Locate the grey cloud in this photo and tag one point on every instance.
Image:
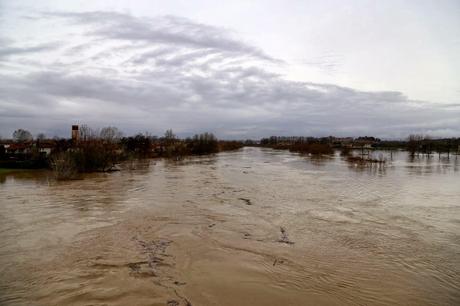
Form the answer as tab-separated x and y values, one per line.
7	49
161	30
185	81
281	106
144	57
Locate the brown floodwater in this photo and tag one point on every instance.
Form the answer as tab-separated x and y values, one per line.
250	227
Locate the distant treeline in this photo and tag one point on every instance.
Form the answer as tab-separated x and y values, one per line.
100	150
414	144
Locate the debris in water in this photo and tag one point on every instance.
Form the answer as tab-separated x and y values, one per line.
154	250
284	236
187	303
278	261
248	201
179	283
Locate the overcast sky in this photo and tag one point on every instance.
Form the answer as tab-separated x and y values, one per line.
240	69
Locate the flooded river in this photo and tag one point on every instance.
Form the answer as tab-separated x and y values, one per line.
250	227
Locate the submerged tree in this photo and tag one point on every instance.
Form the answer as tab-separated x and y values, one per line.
414	143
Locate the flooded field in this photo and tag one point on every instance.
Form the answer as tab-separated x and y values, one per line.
250	227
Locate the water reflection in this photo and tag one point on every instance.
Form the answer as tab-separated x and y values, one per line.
319	160
368	168
198	160
32	176
425	165
138	165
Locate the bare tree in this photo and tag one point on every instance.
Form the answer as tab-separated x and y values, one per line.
41	137
414	144
64	165
21	135
110	134
86	133
169	135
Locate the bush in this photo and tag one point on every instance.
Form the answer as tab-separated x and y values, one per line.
87	156
139	145
345	151
64	165
203	144
95	155
230	145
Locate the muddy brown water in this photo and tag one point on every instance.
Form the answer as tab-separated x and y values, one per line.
250	227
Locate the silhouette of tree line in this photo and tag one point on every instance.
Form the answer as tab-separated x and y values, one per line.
304	145
414	144
100	150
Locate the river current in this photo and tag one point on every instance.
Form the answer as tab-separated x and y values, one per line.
250	227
